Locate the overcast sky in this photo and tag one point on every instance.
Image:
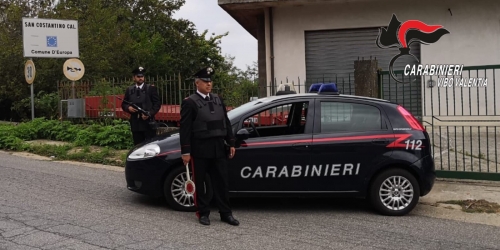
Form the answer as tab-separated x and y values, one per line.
207	15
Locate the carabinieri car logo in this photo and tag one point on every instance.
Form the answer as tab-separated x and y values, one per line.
403	34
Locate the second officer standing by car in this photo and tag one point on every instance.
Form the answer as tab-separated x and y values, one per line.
204	129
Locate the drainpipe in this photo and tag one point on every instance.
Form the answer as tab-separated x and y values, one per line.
271	34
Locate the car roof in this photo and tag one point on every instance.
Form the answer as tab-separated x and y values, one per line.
315	95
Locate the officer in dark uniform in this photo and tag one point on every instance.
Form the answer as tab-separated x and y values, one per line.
147	98
204	129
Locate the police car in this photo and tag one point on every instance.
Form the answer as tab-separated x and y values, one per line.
317	143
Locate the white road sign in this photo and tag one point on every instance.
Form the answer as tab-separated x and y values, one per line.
50	38
29	71
73	69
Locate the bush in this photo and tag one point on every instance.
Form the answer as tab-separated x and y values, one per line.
13	143
116	135
46	105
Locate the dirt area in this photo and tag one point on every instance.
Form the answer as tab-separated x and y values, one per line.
469	201
117	155
476	206
47	142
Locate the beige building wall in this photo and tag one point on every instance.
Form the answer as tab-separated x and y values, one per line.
474	37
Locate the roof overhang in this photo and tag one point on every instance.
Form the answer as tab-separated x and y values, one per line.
246	12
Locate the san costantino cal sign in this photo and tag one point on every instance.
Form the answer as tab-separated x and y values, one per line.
50	38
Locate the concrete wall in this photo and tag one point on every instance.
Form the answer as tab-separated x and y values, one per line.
474	27
474	37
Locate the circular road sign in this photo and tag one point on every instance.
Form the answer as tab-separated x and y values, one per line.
73	69
29	71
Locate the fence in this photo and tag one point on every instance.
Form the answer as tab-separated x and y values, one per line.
100	98
461	116
463	122
408	94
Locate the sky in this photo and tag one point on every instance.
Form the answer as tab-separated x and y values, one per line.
207	15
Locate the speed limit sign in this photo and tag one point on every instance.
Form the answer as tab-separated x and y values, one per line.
29	71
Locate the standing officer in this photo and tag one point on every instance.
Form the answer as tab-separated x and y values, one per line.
147	98
204	127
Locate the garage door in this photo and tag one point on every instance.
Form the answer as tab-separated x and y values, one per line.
330	56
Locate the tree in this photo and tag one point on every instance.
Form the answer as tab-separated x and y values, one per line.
115	36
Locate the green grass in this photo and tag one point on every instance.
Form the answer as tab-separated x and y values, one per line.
91	142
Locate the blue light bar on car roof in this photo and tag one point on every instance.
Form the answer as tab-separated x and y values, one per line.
328	89
315	87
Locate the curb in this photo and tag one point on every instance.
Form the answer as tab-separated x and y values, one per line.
469	182
77	163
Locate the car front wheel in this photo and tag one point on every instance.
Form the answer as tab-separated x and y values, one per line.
394	192
173	188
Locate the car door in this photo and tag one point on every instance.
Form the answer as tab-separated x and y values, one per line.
274	157
349	138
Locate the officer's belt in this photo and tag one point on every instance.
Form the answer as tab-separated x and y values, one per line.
210	125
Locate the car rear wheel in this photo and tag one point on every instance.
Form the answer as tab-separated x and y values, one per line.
394	192
173	188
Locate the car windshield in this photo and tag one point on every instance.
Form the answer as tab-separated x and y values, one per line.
243	108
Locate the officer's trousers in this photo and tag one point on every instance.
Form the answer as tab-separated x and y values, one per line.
217	170
141	136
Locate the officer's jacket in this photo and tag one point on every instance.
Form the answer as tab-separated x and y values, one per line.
194	111
147	98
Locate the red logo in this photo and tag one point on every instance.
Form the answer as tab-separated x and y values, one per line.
402	35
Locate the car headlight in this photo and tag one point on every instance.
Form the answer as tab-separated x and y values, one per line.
145	152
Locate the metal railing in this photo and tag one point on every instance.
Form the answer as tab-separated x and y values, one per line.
462	118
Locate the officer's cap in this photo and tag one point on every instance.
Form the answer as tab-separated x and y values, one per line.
139	71
205	74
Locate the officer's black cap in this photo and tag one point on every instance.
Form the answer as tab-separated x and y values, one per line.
139	71
205	74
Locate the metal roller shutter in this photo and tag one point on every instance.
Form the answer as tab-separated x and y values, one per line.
330	56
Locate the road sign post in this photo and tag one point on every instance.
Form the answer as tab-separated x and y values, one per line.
73	69
29	74
32	103
48	38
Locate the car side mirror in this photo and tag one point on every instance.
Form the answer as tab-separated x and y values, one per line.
242	134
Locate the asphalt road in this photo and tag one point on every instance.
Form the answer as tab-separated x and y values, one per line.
49	205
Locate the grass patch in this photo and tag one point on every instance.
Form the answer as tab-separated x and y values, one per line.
90	142
475	206
69	152
100	155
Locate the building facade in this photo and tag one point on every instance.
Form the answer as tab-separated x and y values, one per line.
319	41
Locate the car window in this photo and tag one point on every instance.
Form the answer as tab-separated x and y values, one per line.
241	109
346	117
236	111
285	119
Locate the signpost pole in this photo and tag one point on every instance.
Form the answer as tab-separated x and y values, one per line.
29	74
32	103
73	89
